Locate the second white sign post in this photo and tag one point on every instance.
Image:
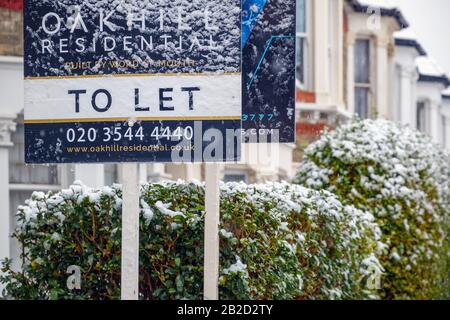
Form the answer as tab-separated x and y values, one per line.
212	221
130	232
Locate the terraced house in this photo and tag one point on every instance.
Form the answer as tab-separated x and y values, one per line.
354	57
360	58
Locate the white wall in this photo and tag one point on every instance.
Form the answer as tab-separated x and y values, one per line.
11	86
265	162
405	87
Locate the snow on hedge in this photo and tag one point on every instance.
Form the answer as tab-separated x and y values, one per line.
278	241
400	176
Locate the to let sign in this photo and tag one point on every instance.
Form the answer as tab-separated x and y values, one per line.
132	81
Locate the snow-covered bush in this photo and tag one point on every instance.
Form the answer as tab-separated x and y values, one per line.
278	241
400	176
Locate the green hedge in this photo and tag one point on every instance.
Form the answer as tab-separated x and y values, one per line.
278	241
400	176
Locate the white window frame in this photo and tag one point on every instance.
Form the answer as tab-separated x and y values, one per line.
372	70
307	49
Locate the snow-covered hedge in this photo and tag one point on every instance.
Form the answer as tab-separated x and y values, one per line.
278	241
400	176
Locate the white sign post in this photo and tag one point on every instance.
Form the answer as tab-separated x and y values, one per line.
212	221
130	232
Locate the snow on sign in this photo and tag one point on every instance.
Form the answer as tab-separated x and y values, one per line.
268	44
132	80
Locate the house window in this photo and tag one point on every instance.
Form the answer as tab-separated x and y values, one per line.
19	173
362	78
111	174
445	131
301	44
235	177
421	117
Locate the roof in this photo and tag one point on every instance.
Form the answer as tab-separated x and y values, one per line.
387	8
429	71
407	38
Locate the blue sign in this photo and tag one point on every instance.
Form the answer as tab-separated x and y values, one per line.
268	43
141	80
